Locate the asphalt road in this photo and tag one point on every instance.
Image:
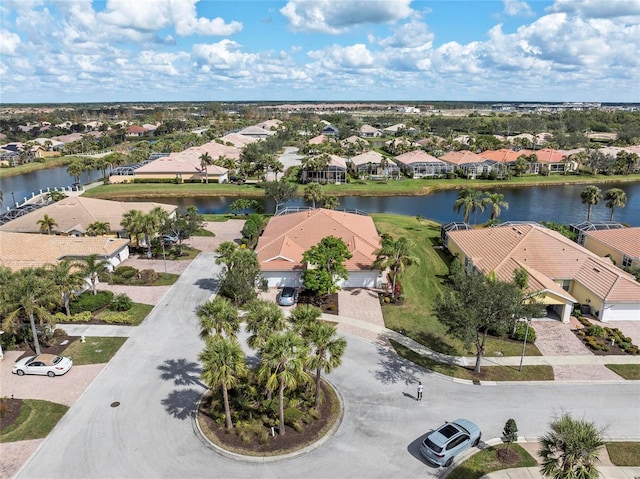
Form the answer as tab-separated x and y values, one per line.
155	378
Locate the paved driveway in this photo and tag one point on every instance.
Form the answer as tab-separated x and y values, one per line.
155	377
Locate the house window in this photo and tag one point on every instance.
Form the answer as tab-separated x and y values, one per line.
626	261
566	283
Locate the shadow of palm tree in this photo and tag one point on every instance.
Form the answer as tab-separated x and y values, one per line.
181	372
395	369
209	284
182	403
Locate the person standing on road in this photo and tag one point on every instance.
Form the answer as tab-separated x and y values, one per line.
420	389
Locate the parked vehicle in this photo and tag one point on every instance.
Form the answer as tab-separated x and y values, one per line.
288	296
441	446
43	365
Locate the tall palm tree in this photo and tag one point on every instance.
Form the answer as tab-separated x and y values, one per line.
264	319
615	198
313	192
496	201
47	223
91	267
282	366
68	279
327	351
303	316
395	255
590	196
570	450
331	202
30	294
205	161
218	316
465	202
132	223
151	222
98	228
223	364
75	169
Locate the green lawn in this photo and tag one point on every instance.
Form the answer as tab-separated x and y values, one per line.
624	453
487	373
627	371
486	461
37	418
410	187
95	350
165	279
422	285
137	313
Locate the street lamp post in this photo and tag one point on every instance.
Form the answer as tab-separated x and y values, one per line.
524	344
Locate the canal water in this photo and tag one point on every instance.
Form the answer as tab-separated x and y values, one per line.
560	204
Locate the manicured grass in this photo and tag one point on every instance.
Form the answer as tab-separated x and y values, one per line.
624	453
486	461
37	418
487	373
627	371
404	187
422	284
218	218
203	232
166	279
95	350
188	253
137	313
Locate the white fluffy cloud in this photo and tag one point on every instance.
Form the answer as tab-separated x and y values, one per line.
336	16
517	7
598	8
10	41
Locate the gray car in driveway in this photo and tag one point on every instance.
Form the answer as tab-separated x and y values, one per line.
449	440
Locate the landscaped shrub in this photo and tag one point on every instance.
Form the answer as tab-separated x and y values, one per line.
116	318
121	302
90	302
521	329
596	331
125	272
148	276
82	317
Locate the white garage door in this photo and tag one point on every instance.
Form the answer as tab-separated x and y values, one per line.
367	279
620	312
280	279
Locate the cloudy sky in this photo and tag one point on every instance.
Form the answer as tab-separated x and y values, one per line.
319	50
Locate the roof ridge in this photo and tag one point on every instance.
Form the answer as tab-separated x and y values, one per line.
508	256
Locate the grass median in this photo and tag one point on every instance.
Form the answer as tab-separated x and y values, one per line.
36	419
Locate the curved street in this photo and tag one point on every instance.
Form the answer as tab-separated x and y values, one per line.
155	379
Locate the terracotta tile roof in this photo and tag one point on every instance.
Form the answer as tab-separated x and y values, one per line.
238	140
625	240
547	252
367	157
316	140
368	129
287	237
461	157
136	129
503	155
75	211
547	155
417	156
23	250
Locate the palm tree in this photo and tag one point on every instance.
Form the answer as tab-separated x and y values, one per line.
31	293
205	161
68	279
223	364
91	267
395	255
132	223
98	228
616	198
303	316
465	202
496	201
218	316
283	358
331	202
264	319
151	222
313	192
570	450
590	196
327	351
47	223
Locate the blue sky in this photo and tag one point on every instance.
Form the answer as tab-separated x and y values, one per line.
319	50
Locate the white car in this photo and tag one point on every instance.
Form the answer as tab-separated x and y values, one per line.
43	364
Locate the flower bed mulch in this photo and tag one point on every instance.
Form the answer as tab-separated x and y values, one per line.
328	304
10	411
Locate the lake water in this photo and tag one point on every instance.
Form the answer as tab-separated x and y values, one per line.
561	203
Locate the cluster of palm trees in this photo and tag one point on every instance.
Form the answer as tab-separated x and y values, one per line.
614	197
289	350
144	225
474	201
32	294
313	192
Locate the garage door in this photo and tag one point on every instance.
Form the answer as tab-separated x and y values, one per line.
621	312
280	279
368	279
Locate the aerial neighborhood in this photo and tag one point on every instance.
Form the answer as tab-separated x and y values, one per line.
303	281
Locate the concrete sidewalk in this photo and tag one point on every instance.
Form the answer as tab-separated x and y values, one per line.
534	473
98	330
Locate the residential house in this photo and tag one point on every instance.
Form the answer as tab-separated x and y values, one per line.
288	236
237	140
270	125
561	273
368	131
373	164
135	130
621	245
419	164
256	132
23	250
330	130
75	213
398	129
471	164
334	171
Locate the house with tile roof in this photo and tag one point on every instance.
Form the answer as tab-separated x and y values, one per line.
561	271
621	245
288	236
368	131
471	164
374	165
419	164
256	132
24	250
75	213
335	170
